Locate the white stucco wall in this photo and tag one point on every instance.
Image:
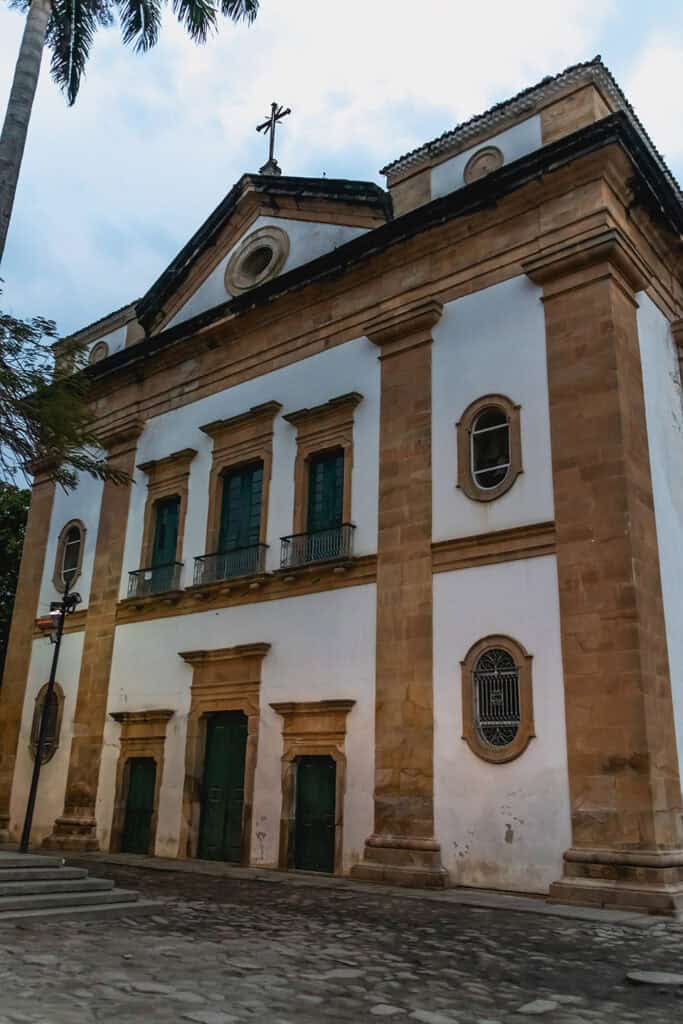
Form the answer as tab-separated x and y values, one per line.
307	240
664	414
501	826
323	647
491	342
514	142
116	340
350	367
50	801
82	503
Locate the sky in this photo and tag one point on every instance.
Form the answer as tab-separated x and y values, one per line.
112	187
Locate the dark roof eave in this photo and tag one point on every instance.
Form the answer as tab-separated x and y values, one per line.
654	191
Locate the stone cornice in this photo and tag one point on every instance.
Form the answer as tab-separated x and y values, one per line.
677	332
181	459
342	403
305	707
267	410
406	326
225	653
133	717
606	247
121	437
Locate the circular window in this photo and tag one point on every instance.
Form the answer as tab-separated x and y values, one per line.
98	352
258	259
482	163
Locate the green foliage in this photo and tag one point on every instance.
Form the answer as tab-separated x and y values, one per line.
73	24
44	413
13	513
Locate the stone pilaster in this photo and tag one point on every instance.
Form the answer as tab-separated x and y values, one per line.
76	829
402	849
623	769
20	643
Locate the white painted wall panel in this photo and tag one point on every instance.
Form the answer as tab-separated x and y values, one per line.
350	367
664	414
50	801
323	647
116	340
502	826
514	142
491	342
307	240
82	503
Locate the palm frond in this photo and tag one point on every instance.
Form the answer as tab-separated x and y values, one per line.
140	22
70	35
198	17
240	10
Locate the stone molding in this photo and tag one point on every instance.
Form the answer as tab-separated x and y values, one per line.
237	441
464	427
573	263
143	734
525	733
223	679
319	429
405	327
120	438
237	280
533	541
166	478
57	580
312	728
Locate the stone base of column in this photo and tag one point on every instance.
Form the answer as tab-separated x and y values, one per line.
4	829
402	860
643	880
71	833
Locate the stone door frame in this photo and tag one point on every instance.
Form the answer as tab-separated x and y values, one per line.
312	729
143	734
224	679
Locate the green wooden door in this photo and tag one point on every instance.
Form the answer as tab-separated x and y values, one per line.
315	811
241	508
220	833
325	491
142	775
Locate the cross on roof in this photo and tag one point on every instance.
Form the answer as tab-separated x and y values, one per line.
276	114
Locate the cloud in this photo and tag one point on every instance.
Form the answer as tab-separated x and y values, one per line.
654	89
112	187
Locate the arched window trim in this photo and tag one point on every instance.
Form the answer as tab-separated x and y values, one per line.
470	730
59	558
464	428
48	752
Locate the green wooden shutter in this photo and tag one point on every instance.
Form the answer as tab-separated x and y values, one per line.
165	532
325	491
241	508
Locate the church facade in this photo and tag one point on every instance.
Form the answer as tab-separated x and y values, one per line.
395	587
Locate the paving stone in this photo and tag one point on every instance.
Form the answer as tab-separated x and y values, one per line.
210	1017
538	1007
432	1017
655	978
385	1010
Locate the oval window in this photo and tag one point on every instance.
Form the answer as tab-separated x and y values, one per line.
53	709
490	448
496	697
72	554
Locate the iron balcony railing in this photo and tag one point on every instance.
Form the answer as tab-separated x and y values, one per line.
318	546
156	580
224	565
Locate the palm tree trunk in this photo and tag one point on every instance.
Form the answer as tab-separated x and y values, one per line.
15	128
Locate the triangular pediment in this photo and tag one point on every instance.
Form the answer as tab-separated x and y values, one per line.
264	227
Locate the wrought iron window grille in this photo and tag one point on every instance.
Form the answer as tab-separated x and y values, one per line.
496	694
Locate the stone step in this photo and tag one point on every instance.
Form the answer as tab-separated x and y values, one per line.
8	861
23	874
125	908
70	885
54	900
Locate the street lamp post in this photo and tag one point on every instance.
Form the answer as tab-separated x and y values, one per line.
54	627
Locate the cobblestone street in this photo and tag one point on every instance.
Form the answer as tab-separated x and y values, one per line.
218	950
